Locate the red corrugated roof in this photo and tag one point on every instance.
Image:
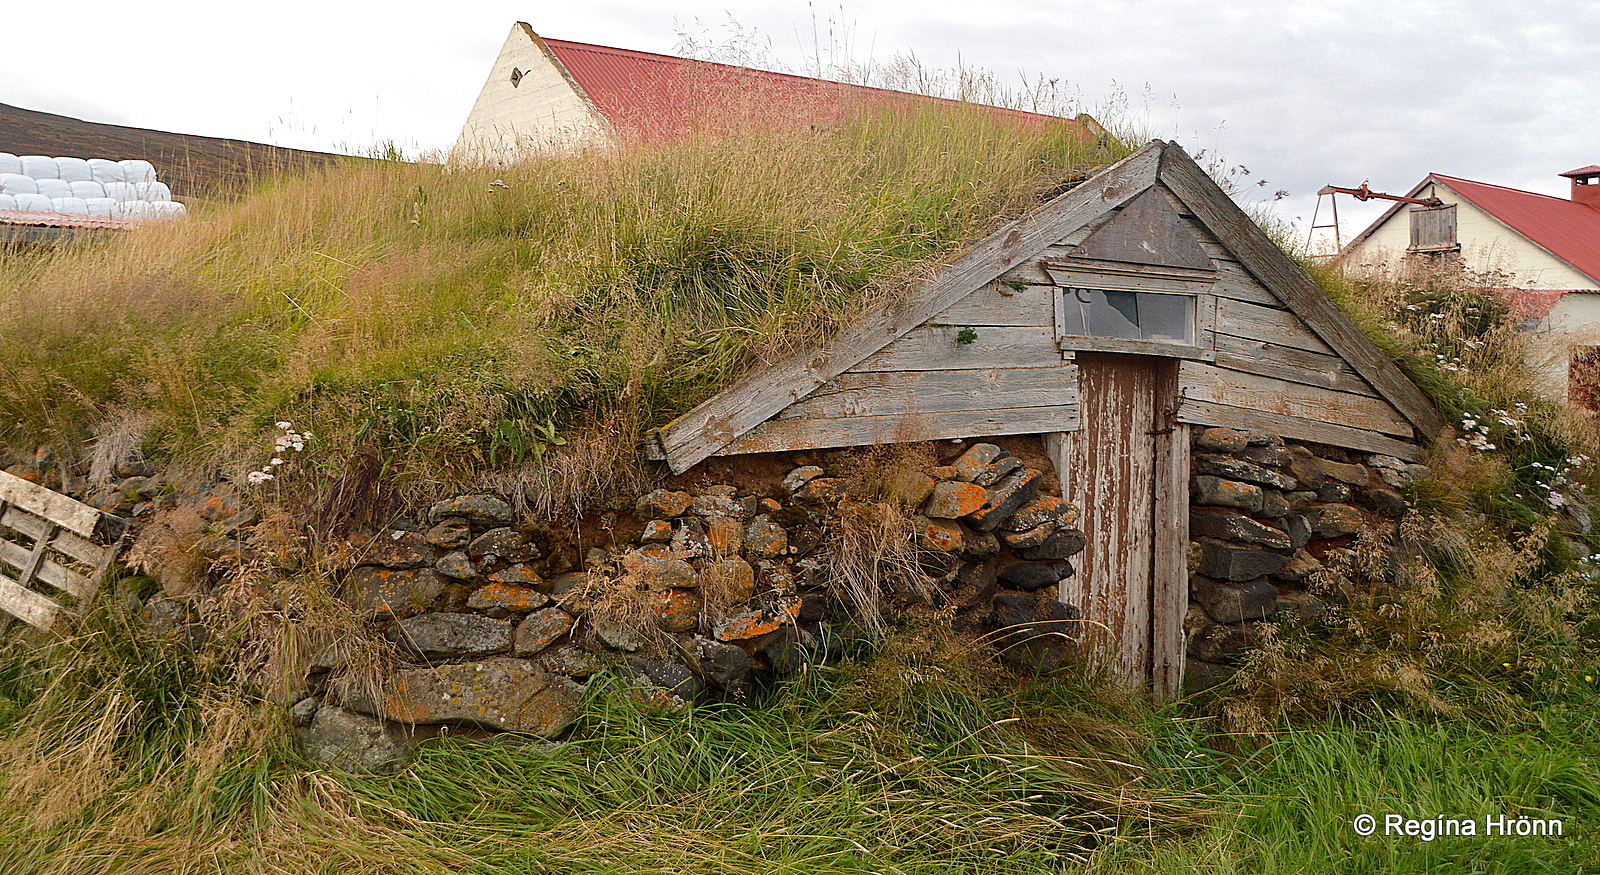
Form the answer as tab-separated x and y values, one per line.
62	220
1569	231
660	96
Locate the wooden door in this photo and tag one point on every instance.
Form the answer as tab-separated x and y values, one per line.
1127	472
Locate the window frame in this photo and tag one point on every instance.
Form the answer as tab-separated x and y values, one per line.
1139	279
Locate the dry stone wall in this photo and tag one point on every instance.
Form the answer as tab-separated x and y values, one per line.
1279	531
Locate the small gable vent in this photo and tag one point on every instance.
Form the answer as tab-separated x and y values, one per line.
516	77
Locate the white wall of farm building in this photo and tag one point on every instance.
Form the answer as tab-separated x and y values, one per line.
542	111
1486	246
1573	322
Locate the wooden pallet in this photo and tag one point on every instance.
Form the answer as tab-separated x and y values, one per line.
50	544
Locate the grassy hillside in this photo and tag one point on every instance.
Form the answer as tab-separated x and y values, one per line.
450	320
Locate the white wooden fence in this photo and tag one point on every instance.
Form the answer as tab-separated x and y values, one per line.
50	544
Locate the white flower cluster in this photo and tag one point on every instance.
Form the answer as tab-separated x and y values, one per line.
1555	479
290	440
1475	432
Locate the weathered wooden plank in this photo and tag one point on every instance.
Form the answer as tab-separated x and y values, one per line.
68	543
1169	600
26	605
1282	327
996	304
762	393
64	579
1276	271
1288	363
1204	382
1146	230
1233	281
1197	412
809	434
69	513
893	393
1129	277
937	348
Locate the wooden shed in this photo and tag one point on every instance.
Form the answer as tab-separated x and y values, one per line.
1113	321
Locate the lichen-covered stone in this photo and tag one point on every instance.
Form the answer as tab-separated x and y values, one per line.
1334	491
1220	440
1035	631
539	630
908	487
451	635
337	738
1230	468
941	535
450	533
724	665
822	490
656	532
1044	510
1231	526
1217	492
954	499
1031	538
507	597
1224	561
976	459
1273	457
1005	497
1306	467
506	544
503	693
520	574
1334	520
571	662
573	593
755	622
479	510
381	590
677	610
658	573
765	539
794	480
1224	643
663	504
730	580
618	635
975	544
1273	505
458	565
726	535
406	551
1299	608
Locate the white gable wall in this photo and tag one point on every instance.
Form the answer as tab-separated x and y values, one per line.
1486	246
542	111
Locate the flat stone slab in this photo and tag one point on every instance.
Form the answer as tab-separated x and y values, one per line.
447	635
504	693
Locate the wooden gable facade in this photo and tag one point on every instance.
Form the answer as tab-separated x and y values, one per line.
1108	320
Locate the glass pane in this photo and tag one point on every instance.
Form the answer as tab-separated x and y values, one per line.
1075	312
1113	314
1167	317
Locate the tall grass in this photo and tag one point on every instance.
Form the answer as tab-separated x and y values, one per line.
454	319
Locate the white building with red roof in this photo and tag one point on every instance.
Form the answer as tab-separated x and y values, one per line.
545	94
1544	250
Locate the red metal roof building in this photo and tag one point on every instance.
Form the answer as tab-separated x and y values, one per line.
547	93
1541	252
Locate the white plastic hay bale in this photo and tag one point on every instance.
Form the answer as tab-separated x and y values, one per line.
169	209
105	207
34	203
106	170
122	191
54	187
17	183
74	169
71	206
88	189
40	167
8	201
152	191
10	163
138	209
139	170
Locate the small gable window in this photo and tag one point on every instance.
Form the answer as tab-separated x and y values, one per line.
516	77
1433	229
1141	309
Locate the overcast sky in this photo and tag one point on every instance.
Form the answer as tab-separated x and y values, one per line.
1300	93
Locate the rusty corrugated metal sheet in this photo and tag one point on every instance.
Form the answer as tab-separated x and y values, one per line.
1569	231
660	96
